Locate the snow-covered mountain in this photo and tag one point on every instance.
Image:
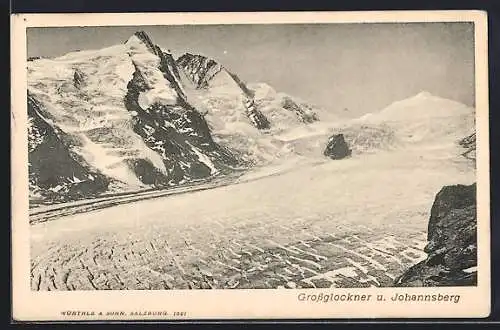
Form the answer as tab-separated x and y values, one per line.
247	118
422	121
130	116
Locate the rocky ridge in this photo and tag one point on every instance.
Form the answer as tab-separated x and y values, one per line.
173	128
202	70
133	117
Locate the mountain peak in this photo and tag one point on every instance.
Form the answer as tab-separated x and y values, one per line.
144	38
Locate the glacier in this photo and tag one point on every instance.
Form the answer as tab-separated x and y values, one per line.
130	119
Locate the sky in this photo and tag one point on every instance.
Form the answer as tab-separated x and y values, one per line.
349	69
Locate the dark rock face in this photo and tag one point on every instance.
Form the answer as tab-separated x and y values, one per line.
55	172
178	132
337	147
469	143
452	241
78	79
256	117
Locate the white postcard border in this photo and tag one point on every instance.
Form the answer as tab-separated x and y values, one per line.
236	304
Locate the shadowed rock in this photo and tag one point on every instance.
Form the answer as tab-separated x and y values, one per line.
452	241
469	144
306	117
256	117
199	69
337	147
55	172
78	78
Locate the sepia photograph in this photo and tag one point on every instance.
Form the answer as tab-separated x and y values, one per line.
264	157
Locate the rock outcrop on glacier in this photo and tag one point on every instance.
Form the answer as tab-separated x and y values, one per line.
337	148
452	241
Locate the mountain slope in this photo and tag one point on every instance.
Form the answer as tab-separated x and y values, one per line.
205	73
166	121
425	118
242	116
136	118
124	111
55	172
